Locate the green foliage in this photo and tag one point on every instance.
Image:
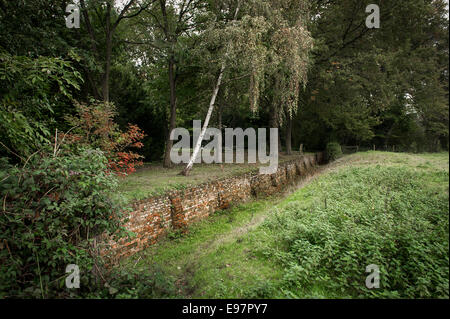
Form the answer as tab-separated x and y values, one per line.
370	215
260	290
367	86
30	91
333	151
358	78
175	234
36	28
135	284
52	209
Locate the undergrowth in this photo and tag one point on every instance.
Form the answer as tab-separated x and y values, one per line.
393	217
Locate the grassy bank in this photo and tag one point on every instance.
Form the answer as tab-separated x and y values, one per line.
387	209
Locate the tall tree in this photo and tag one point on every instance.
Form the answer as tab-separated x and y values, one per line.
265	39
291	45
361	77
110	17
159	31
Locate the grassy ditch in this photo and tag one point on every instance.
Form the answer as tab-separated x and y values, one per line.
387	209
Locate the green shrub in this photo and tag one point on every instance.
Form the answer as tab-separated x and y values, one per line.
333	151
33	94
51	211
153	282
260	290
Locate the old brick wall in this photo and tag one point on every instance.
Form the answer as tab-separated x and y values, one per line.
152	218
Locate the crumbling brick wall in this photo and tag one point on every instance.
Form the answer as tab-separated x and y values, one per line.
152	218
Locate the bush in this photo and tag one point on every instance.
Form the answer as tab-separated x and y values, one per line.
152	282
33	91
51	211
333	151
94	126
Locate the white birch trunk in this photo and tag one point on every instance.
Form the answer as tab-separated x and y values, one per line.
189	166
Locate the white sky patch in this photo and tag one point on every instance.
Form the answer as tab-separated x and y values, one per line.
446	8
120	4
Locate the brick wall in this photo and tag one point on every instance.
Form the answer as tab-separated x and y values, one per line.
152	218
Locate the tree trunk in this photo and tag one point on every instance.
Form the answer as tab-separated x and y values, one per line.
220	117
188	167
109	32
288	135
105	84
388	136
173	112
274	123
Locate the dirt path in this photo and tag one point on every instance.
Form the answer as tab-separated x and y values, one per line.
237	232
188	268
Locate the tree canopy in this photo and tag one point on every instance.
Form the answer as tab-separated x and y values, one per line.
311	68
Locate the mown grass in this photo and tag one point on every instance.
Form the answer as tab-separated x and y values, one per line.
379	208
153	179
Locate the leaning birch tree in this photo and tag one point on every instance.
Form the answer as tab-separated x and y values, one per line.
236	37
254	42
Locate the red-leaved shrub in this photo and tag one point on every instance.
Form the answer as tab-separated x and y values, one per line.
94	126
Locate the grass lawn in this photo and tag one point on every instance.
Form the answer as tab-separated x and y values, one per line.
154	179
388	209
